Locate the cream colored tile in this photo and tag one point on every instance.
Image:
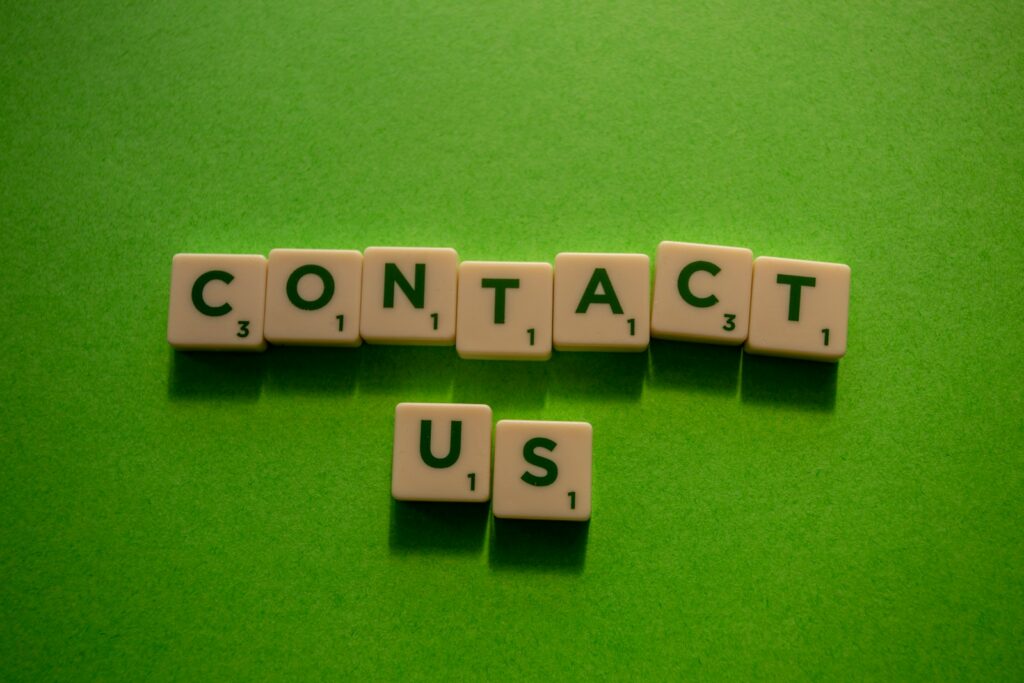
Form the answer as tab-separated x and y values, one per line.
504	310
542	470
217	302
313	297
442	452
409	295
701	293
602	302
799	309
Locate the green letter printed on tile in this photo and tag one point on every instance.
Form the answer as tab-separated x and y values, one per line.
607	295
549	466
684	284
197	293
454	448
292	288
393	276
500	285
795	282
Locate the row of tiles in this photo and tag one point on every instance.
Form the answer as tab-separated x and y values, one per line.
510	310
542	469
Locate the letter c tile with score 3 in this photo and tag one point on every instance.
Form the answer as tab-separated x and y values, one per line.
217	302
442	452
701	293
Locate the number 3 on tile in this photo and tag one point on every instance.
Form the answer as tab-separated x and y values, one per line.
243	329
730	322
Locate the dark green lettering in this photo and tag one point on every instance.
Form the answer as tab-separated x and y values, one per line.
292	288
795	282
549	466
683	284
415	294
454	449
607	295
500	286
197	293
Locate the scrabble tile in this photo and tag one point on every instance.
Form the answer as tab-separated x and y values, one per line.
409	295
504	310
701	293
442	452
542	470
313	297
799	309
217	302
602	302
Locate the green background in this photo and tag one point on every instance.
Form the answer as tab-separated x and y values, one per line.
222	516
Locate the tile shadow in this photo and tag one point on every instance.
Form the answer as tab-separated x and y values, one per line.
528	545
415	370
217	375
597	375
803	384
437	527
700	367
312	369
516	384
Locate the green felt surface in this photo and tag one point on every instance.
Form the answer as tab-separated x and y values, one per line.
228	517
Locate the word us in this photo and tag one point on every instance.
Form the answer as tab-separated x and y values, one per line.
542	469
510	310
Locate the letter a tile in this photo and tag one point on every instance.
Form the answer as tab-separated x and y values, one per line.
602	302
